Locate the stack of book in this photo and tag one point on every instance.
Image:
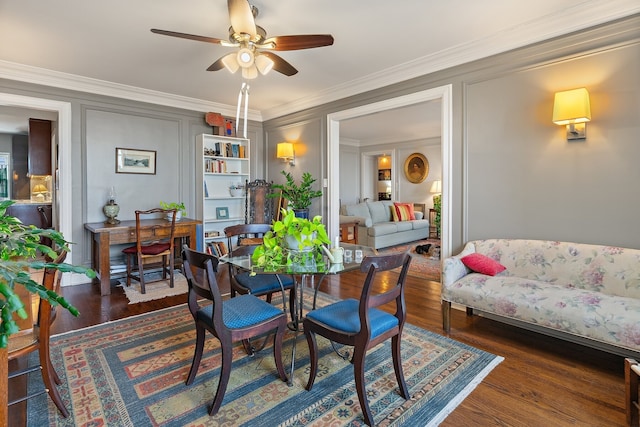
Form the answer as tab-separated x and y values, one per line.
217	249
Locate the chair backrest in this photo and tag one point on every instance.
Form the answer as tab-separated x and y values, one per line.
258	204
200	270
245	235
143	237
373	265
46	313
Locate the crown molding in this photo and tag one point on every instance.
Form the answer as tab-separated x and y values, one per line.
588	14
41	76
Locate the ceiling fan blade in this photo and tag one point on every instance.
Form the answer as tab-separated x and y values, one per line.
191	37
216	66
280	65
241	17
307	41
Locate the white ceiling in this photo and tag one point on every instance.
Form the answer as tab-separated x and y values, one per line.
107	48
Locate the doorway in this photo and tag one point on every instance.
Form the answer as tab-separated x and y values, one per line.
63	200
442	93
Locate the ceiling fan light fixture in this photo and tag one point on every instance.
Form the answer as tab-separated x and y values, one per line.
230	62
264	64
249	72
245	57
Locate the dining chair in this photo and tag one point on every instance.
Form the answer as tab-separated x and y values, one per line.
242	240
150	246
37	339
230	321
257	202
362	325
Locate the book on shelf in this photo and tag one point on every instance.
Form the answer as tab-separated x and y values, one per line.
235	150
243	154
206	190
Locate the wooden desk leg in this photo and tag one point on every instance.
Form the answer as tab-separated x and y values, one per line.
104	263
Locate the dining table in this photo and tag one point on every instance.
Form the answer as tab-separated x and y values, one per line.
304	276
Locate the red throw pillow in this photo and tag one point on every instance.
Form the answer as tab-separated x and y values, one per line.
482	264
404	211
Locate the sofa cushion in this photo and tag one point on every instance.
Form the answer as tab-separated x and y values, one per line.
419	223
379	211
404	225
403	212
383	229
360	210
483	264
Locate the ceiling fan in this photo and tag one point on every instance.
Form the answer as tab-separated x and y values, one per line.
255	53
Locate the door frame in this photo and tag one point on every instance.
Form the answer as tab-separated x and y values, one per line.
63	194
442	93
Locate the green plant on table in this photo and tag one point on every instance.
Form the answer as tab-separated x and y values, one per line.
298	195
19	249
276	252
174	205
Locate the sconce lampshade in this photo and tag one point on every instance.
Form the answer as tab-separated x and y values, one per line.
285	150
571	106
436	187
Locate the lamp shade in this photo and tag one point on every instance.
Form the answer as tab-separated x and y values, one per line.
571	106
436	187
39	188
284	150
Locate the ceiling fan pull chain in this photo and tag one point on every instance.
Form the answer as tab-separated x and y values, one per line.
244	93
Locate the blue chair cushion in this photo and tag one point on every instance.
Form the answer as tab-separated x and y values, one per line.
343	316
241	312
261	284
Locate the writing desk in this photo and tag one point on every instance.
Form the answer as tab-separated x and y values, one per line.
104	235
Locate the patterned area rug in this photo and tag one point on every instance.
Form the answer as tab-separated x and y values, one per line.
154	290
422	265
131	373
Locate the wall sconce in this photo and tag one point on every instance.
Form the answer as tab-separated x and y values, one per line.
436	187
286	152
572	108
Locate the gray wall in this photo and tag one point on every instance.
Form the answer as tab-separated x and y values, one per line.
99	125
513	172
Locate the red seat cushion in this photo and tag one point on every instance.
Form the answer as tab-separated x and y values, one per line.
154	249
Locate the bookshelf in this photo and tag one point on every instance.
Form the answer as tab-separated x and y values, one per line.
220	163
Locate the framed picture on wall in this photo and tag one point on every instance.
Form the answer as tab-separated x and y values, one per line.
416	168
135	161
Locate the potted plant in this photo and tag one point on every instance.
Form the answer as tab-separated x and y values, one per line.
19	247
292	241
181	210
298	195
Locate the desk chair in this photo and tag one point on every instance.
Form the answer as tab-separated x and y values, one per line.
148	245
361	325
230	321
38	340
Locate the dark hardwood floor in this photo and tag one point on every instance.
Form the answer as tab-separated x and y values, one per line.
543	381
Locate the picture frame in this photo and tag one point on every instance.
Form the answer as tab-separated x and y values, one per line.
222	212
416	168
384	174
135	161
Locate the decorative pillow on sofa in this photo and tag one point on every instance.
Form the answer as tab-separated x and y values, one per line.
403	212
482	264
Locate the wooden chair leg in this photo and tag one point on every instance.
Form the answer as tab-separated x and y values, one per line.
313	356
277	350
225	371
129	269
141	274
48	378
446	316
397	366
197	354
358	372
171	269
632	404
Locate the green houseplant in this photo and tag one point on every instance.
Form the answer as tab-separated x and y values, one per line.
298	195
182	211
292	241
19	247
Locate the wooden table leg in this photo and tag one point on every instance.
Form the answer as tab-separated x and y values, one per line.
104	263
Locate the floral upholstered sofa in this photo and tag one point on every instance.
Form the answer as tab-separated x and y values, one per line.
580	290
